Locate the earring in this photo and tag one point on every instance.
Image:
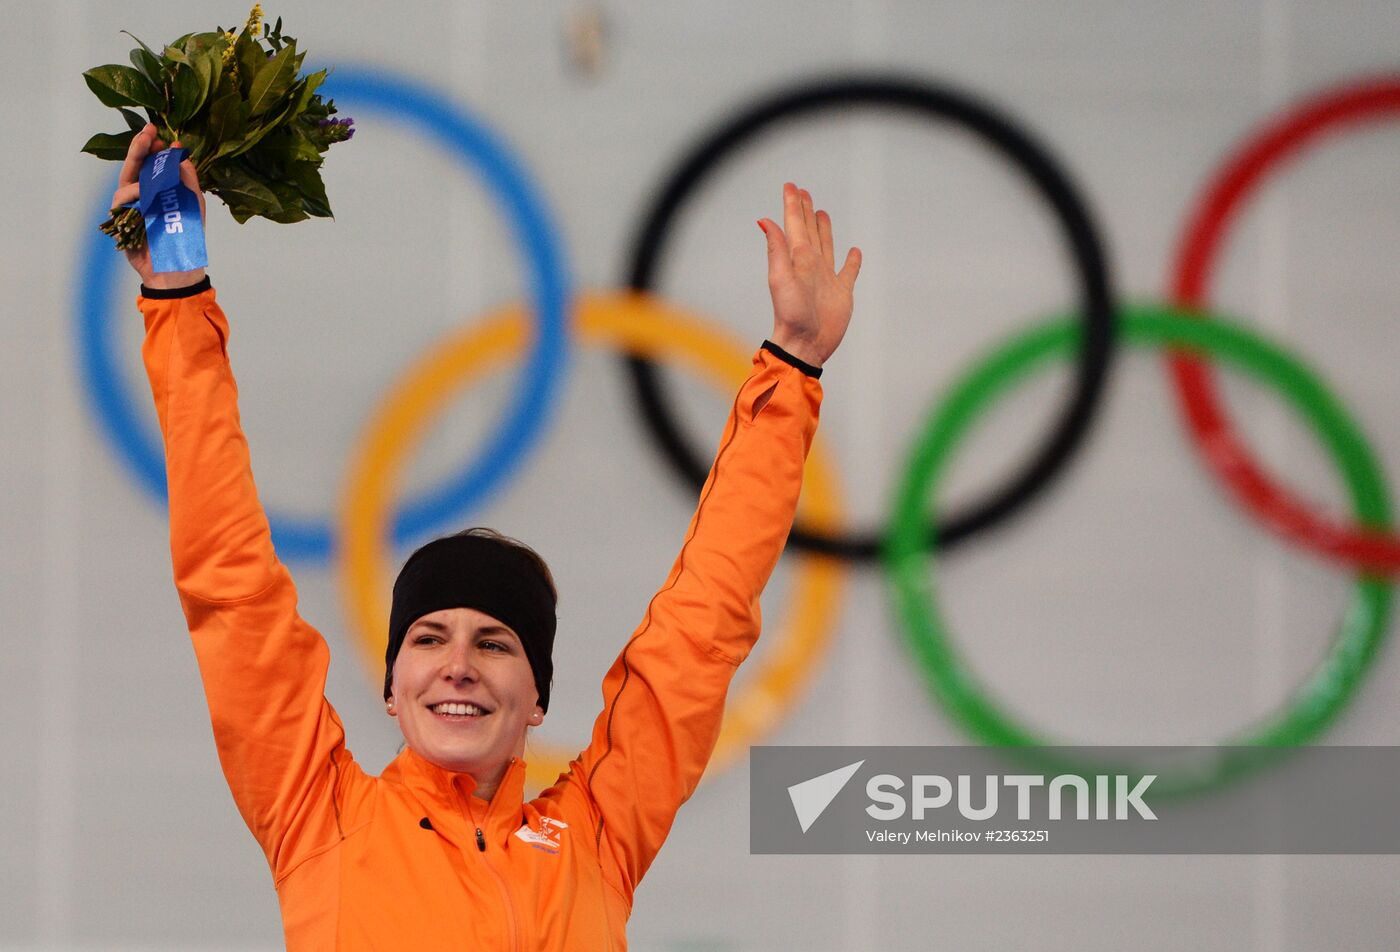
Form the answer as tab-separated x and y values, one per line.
389	708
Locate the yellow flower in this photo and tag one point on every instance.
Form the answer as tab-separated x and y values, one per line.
228	50
254	24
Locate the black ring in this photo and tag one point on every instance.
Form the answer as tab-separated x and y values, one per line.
939	103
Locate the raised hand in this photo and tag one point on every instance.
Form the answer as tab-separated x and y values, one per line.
812	301
129	189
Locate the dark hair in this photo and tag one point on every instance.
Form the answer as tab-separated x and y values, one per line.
490	547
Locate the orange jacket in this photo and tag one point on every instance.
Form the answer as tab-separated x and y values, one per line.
393	862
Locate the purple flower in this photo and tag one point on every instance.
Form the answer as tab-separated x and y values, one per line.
337	130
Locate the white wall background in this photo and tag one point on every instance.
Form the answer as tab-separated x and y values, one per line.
1134	604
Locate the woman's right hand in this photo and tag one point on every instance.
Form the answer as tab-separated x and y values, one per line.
812	300
129	189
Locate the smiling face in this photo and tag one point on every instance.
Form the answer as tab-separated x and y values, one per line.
464	692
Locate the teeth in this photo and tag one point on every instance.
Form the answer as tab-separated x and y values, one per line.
451	707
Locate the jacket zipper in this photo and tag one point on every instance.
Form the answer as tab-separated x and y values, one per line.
500	880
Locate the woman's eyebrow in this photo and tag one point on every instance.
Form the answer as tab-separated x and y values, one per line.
496	631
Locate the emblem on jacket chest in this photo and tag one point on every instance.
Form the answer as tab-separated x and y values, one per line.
547	837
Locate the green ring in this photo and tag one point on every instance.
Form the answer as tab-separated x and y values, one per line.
1310	708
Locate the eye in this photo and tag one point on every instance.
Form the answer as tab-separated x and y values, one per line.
490	645
426	639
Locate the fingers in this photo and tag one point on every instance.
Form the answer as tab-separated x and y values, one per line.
850	270
779	258
190	179
136	153
806	227
824	239
794	219
127	193
809	217
188	175
143	144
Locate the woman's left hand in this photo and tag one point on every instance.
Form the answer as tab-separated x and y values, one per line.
129	190
812	301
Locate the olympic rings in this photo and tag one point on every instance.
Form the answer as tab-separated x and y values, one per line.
938	103
455	130
1312	706
642	326
1225	452
637	324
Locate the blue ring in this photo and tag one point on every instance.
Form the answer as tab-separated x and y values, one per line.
136	442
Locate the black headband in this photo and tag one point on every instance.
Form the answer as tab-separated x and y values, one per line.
481	572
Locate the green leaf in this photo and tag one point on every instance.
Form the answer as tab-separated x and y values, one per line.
227	118
140	42
289	144
303	95
243	193
251	61
147	63
306	176
287	216
210	65
199	43
112	147
186	95
227	83
176	55
281	116
289	204
193	141
273	82
134	122
123	86
145	59
289	114
255	134
204	51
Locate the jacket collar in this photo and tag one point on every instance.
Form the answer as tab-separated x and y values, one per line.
449	796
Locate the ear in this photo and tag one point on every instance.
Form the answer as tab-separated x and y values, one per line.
536	716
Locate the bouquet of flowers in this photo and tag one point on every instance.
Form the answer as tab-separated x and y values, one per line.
254	128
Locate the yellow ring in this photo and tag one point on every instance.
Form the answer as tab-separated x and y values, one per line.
637	324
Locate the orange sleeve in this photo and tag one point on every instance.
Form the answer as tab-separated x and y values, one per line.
280	743
664	696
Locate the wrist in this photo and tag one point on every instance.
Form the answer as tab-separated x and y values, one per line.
152	292
812	370
173	280
803	349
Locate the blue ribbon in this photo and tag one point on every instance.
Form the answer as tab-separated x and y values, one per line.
174	230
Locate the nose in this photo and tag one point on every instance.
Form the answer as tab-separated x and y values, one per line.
458	666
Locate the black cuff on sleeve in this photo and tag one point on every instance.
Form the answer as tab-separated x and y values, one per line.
785	357
166	294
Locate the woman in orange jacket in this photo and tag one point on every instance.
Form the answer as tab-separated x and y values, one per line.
441	851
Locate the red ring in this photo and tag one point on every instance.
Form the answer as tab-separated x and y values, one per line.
1197	395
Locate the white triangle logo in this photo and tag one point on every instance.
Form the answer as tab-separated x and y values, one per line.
810	798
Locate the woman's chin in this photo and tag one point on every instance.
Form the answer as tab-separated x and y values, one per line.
458	759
